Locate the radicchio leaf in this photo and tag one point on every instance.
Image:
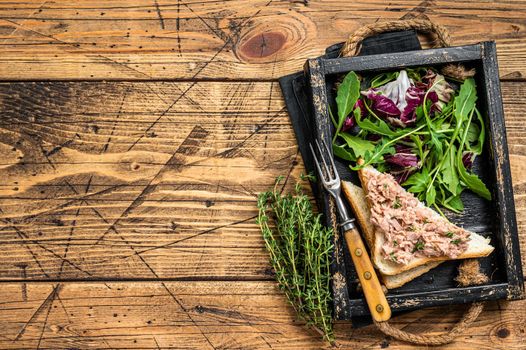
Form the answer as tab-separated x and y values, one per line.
361	106
467	159
402	148
401	176
437	83
397	101
382	105
402	159
414	97
403	163
350	121
373	137
396	90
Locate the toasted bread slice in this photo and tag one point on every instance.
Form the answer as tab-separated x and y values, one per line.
478	246
356	197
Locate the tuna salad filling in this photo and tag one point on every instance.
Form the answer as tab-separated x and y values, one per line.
411	230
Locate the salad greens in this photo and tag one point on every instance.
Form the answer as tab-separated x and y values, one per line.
417	126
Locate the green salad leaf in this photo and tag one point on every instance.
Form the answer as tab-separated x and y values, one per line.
346	97
359	146
465	101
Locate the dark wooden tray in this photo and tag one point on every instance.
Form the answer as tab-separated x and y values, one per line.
494	219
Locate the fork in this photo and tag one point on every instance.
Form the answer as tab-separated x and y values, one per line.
374	295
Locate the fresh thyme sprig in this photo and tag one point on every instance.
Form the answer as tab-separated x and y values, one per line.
300	249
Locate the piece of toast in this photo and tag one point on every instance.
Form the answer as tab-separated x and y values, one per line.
356	197
478	246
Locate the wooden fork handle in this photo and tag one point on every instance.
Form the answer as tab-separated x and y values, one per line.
372	289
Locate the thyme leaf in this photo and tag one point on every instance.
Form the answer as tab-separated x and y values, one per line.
300	249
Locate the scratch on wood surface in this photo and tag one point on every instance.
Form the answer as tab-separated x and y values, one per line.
37	10
293	164
107	144
156	343
171	244
8	222
159	14
49	299
186	311
44	323
230	152
56	149
178	27
154	123
76	47
24	236
189	146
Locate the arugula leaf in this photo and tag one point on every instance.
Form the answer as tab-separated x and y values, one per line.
419	146
465	101
384	147
381	167
454	203
448	108
473	133
359	146
343	153
437	144
441	193
380	127
383	78
346	97
419	113
431	128
477	149
472	181
334	122
416	73
431	195
418	181
357	112
449	172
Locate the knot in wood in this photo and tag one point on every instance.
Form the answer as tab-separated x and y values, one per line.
261	46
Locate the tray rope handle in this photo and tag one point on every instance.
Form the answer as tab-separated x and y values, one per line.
442	39
469	270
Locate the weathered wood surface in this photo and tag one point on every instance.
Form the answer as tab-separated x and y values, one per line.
138	180
210	315
130	180
241	39
156	180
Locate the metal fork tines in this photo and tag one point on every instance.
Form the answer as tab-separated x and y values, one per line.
331	182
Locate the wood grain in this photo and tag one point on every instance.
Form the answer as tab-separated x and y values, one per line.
210	315
241	39
155	181
138	177
136	180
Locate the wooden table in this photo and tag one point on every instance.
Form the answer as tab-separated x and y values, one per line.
134	138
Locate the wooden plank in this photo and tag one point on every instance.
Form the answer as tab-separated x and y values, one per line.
210	315
240	39
130	180
154	179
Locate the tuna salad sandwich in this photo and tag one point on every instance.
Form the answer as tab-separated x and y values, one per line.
406	238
